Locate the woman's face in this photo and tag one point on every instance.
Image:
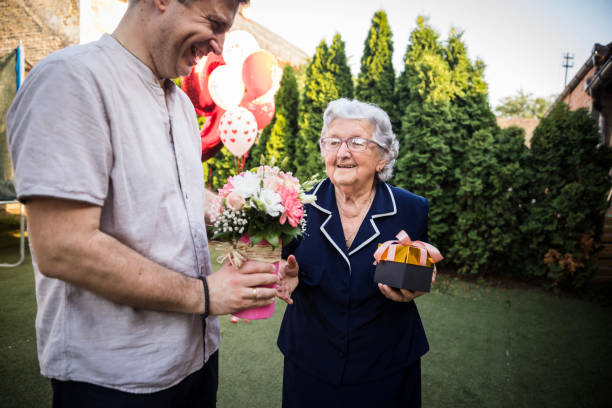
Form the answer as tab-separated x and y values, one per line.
352	169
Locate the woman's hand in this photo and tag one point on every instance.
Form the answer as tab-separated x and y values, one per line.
398	295
403	295
288	273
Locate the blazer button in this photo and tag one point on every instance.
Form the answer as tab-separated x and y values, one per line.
341	354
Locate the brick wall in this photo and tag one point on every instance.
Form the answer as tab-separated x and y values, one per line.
43	26
578	98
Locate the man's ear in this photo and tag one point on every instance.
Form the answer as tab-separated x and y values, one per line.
161	5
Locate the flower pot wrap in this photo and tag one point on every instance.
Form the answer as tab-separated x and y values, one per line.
239	252
406	264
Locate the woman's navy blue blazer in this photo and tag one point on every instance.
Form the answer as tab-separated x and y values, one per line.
340	328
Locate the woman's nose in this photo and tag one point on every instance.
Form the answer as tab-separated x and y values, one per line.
344	150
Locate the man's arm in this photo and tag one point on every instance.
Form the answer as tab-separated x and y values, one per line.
68	245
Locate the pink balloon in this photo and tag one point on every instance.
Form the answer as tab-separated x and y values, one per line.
259	72
238	130
262	110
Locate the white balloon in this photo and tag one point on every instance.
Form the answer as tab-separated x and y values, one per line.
226	87
238	130
238	45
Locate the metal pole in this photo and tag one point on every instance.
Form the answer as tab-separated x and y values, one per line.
568	62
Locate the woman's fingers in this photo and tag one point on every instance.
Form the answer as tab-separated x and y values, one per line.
398	295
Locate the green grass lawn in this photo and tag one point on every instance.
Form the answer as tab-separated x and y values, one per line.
489	347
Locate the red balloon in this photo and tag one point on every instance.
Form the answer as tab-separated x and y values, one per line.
211	139
262	110
191	86
195	85
212	61
258	71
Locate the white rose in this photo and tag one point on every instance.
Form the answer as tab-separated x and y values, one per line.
271	202
246	184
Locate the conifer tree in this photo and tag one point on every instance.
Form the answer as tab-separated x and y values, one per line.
286	104
327	78
471	113
276	147
339	70
426	76
218	168
491	196
423	94
376	79
310	118
440	74
424	161
258	150
287	101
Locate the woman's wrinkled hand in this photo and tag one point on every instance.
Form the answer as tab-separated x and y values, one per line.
398	295
288	273
403	295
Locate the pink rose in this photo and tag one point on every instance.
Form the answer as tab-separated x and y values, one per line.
227	188
235	200
272	183
290	181
294	211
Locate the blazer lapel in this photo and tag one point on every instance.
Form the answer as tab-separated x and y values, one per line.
331	227
382	206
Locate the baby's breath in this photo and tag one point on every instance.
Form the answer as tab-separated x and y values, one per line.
229	221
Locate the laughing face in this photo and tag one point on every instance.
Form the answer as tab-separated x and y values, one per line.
186	33
352	169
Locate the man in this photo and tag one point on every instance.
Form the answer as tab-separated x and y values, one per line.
106	152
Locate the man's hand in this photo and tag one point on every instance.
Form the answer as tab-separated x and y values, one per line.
288	271
232	289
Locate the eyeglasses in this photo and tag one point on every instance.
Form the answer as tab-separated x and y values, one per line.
354	144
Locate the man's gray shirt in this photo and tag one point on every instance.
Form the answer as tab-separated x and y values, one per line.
91	123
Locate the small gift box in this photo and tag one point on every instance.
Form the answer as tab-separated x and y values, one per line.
406	264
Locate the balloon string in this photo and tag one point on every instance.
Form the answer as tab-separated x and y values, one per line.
240	162
210	175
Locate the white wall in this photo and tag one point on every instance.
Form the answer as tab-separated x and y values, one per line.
99	17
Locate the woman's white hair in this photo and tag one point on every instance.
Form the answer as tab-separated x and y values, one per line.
344	108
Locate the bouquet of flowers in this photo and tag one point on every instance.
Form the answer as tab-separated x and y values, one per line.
255	212
262	207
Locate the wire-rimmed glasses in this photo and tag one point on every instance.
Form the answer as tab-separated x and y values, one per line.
354	144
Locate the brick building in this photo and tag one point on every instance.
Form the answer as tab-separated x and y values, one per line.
42	26
591	88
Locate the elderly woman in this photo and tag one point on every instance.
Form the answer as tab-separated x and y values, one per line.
347	341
